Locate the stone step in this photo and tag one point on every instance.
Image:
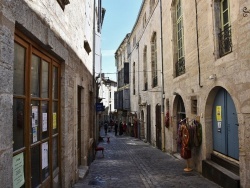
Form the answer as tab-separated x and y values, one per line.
220	175
233	167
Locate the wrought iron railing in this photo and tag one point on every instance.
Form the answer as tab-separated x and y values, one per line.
180	67
155	81
225	41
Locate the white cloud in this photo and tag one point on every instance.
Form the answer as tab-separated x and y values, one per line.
108	53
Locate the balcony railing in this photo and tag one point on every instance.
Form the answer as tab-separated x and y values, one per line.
180	67
225	41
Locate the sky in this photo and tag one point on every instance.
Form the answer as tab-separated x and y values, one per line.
119	20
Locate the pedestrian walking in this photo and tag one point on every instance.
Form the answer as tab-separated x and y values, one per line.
106	127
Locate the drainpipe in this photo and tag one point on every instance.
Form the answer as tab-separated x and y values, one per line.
94	81
162	88
198	49
138	116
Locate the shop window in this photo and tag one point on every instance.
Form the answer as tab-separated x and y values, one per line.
36	103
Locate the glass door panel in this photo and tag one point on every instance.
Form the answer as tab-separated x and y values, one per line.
55	83
45	79
45	160
35	166
19	70
35	76
18	124
55	153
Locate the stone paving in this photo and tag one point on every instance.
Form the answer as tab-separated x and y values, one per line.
131	163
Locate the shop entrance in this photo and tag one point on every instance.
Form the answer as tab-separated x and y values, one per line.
225	125
79	101
142	132
158	125
36	116
181	114
149	124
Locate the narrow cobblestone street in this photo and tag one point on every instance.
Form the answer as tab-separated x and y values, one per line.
131	163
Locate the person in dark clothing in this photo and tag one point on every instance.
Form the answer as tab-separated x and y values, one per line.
120	129
116	128
106	127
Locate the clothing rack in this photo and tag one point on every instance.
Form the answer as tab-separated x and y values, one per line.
195	118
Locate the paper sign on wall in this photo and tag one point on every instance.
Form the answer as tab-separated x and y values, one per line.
34	134
54	120
45	122
218	113
45	155
34	116
18	172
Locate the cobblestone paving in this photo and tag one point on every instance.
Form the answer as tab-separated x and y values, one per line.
131	163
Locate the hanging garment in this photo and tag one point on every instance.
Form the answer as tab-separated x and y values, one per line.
185	150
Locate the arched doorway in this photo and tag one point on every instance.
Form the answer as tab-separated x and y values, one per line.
149	124
158	125
180	114
142	136
225	125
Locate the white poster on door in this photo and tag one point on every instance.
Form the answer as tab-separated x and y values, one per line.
18	172
34	116
45	155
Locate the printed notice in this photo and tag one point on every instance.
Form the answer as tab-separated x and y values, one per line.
54	120
34	116
45	122
44	155
218	113
18	172
34	133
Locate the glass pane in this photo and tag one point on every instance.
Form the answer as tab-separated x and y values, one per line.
18	124
45	118
55	118
55	83
225	17
19	65
35	74
225	5
55	153
45	160
35	122
35	166
45	79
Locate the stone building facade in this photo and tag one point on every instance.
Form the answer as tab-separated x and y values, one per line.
47	90
189	63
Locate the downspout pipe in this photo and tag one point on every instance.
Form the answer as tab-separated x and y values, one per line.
138	116
94	79
198	49
162	88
